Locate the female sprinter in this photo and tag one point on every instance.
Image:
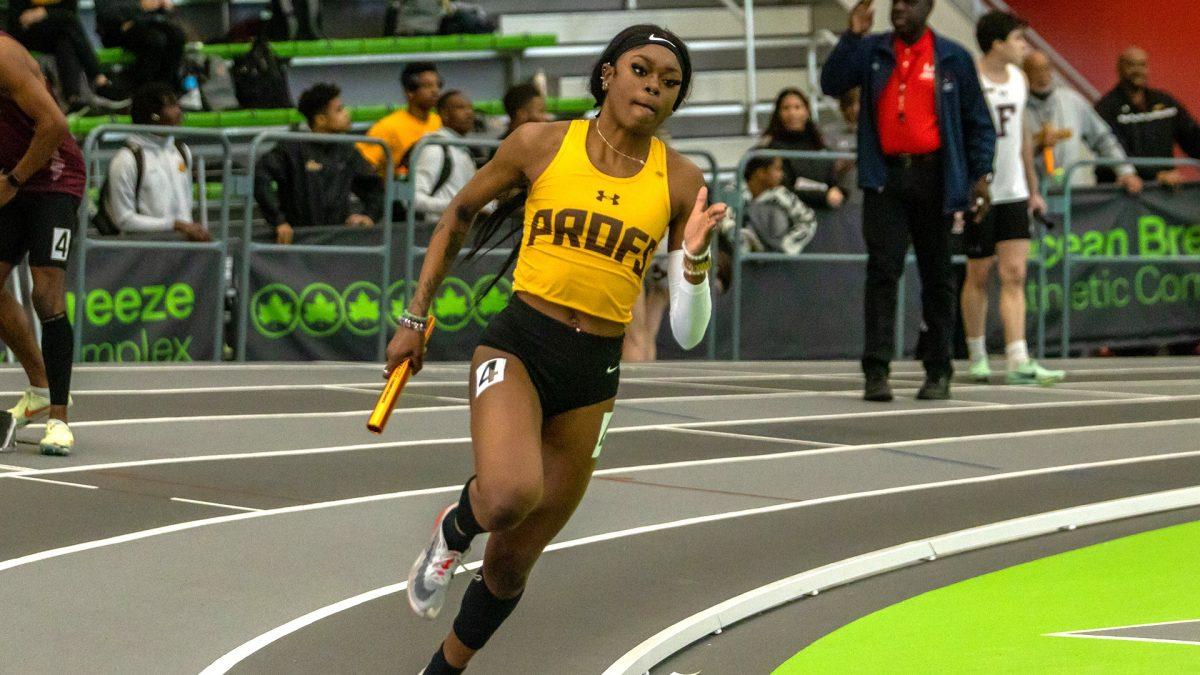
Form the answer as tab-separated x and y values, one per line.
601	196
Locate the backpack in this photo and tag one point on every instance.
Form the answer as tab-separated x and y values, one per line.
259	77
414	17
443	174
465	18
103	221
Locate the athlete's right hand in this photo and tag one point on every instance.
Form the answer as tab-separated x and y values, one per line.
862	17
405	344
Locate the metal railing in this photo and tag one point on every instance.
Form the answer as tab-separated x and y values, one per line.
1165	163
220	244
739	206
250	247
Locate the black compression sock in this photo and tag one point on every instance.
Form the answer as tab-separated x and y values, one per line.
439	666
460	526
58	347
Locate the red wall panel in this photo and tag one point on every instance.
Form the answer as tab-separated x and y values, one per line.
1090	34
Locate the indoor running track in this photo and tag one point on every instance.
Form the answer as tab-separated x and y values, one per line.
240	518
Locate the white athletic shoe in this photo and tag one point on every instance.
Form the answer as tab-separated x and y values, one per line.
58	440
431	573
32	407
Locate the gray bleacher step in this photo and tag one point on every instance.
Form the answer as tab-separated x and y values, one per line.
593	27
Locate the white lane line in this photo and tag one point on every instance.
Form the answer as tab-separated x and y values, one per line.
192	524
624	429
752	437
10	467
177	527
149	391
55	482
1124	639
240	653
897	444
203	503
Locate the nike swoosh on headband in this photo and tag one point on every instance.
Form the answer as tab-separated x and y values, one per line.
655	38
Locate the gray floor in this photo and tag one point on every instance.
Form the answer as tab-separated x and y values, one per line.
273	502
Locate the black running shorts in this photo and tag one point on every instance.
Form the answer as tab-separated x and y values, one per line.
569	369
41	224
1004	222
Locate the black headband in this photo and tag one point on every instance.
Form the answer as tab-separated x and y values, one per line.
641	40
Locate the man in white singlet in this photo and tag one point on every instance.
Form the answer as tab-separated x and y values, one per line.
1002	239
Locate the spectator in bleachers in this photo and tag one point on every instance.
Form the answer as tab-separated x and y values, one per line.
148	30
149	185
306	184
792	128
441	171
1060	119
842	135
524	103
1148	122
53	26
401	129
776	219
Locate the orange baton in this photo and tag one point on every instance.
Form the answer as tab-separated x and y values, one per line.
391	390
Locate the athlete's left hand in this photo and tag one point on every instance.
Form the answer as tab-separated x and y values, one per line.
1037	205
702	224
7	191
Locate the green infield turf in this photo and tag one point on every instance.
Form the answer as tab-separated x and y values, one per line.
1003	621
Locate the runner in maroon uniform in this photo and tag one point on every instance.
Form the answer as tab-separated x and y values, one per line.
41	184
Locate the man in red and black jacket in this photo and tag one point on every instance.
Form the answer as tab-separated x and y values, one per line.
926	144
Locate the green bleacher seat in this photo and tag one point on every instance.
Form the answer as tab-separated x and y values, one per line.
368	46
282	117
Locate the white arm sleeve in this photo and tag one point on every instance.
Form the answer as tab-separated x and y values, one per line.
691	305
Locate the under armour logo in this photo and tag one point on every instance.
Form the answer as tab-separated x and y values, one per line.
615	199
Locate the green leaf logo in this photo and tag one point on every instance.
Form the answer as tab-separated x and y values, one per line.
274	310
362	309
494	302
450	303
397	309
320	310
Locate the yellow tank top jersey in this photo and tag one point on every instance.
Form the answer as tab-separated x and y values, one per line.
589	237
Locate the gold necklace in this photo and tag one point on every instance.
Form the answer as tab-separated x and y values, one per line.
596	126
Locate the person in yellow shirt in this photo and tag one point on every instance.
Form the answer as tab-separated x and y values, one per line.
403	128
601	195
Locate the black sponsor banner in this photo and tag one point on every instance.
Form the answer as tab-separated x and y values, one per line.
148	305
1151	301
331	306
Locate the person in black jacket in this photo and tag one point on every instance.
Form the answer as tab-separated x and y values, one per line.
792	127
1148	122
146	29
52	26
304	184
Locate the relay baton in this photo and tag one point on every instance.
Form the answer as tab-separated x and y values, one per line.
391	390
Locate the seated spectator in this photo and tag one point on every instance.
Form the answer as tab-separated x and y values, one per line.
53	26
401	129
792	128
776	219
1062	121
1148	122
306	183
524	103
441	171
147	29
149	184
